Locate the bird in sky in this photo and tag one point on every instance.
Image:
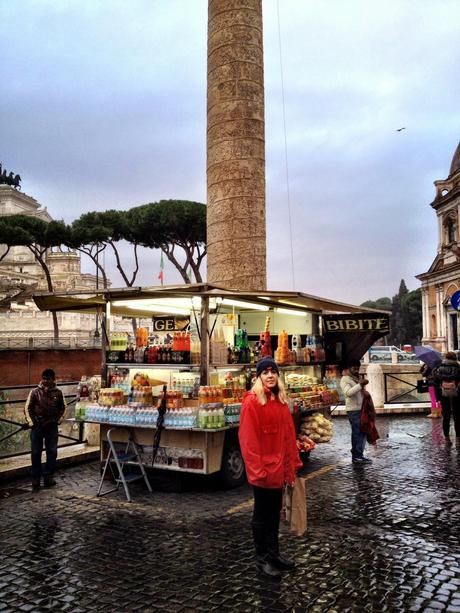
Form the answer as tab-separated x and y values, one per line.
399	129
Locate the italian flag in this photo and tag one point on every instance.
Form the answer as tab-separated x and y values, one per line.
161	275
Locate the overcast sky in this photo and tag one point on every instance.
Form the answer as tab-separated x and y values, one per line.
103	106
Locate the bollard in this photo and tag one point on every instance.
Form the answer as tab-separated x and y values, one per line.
376	386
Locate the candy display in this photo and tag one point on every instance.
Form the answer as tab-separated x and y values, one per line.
283	355
265	340
142	337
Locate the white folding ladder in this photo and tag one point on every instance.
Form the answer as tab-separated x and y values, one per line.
130	454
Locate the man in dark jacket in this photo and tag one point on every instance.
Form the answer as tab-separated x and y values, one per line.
44	410
447	379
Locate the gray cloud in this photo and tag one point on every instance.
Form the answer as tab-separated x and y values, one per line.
106	108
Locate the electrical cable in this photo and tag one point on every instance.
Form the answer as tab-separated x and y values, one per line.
285	145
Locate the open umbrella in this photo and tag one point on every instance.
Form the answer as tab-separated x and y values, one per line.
427	354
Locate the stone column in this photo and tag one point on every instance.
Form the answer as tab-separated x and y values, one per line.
439	314
425	315
236	146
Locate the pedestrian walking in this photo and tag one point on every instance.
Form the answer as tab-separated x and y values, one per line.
447	380
352	385
268	444
44	410
427	373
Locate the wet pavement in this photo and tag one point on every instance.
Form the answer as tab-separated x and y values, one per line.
383	537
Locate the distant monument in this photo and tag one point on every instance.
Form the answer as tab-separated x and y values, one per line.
9	179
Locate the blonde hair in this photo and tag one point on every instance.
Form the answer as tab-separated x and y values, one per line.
258	389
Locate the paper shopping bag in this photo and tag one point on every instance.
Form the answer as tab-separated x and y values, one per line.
299	508
287	505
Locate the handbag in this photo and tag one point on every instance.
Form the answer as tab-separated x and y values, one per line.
422	386
449	389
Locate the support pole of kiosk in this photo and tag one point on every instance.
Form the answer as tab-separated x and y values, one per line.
105	343
204	363
159	425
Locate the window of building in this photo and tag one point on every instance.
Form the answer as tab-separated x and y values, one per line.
434	332
451	230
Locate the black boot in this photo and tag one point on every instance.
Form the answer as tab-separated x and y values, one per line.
274	552
35	484
49	481
263	564
267	569
282	563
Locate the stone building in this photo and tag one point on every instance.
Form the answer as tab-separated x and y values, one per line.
21	276
441	327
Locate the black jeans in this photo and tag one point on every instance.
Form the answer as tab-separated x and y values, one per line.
49	435
450	406
266	519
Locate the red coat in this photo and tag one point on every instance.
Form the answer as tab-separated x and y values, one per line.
268	442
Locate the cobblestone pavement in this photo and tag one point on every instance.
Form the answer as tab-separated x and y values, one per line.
383	537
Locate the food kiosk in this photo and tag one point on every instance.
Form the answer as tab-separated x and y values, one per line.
202	342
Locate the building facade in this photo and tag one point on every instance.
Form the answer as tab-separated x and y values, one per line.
441	324
21	323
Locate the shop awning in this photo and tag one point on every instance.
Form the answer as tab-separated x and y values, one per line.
144	299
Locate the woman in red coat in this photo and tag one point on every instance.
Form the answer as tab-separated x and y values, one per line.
268	444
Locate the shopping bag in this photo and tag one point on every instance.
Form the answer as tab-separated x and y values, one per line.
298	521
287	504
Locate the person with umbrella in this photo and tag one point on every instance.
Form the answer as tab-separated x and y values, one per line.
430	358
447	379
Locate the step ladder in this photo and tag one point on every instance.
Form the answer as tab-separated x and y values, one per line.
119	459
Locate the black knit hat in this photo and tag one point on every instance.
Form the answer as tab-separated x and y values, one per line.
265	363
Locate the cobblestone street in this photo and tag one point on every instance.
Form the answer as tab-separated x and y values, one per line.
383	537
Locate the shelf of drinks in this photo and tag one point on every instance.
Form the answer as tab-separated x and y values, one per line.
281	366
150	426
197	366
299	365
191	367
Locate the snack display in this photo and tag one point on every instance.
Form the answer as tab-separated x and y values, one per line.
317	427
111	396
299	380
304	443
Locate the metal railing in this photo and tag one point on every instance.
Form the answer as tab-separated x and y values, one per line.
66	341
14	437
403	390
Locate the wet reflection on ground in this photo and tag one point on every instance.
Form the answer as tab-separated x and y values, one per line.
382	537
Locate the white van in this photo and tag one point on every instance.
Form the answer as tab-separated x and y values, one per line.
383	353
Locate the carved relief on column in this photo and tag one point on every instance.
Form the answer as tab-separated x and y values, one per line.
236	232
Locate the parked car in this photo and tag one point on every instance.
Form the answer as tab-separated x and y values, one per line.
383	353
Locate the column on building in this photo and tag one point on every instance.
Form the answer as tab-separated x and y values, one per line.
440	315
425	314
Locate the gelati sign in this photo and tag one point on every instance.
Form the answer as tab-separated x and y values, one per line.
170	324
